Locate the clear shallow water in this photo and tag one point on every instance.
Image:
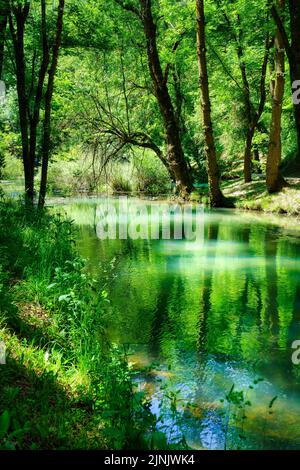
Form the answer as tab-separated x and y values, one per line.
208	315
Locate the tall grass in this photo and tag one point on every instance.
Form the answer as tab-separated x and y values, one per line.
64	385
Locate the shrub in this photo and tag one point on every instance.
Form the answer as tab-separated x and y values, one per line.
120	184
151	176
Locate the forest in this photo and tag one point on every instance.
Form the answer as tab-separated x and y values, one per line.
142	343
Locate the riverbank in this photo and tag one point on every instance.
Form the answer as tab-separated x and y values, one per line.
249	196
254	196
63	386
245	196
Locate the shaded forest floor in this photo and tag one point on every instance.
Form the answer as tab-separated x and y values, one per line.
254	196
44	409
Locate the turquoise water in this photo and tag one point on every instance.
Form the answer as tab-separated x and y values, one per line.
197	317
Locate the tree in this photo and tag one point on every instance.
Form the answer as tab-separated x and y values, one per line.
275	181
31	88
292	49
215	193
175	156
252	115
3	24
116	124
48	102
18	15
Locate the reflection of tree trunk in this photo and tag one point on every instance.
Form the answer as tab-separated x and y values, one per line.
161	320
212	235
251	284
271	281
296	315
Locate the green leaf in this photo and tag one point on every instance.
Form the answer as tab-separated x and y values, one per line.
159	441
272	401
63	298
4	423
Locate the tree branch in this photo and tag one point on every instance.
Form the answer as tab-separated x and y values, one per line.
174	49
282	30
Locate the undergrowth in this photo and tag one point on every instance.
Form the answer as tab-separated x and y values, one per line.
64	386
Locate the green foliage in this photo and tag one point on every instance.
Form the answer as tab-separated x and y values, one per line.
120	184
72	380
103	93
151	176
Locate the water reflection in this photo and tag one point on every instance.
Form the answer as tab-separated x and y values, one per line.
212	314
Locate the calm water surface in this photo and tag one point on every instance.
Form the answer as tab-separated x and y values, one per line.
207	316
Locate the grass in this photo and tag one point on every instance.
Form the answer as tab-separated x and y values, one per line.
45	403
63	385
254	196
46	388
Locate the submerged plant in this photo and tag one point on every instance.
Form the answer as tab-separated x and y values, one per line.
234	415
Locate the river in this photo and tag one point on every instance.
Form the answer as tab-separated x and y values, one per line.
199	317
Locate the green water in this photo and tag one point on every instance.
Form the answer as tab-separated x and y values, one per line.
208	315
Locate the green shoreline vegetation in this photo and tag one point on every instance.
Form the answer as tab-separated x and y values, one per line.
63	385
245	196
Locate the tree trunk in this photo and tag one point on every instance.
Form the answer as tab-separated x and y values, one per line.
253	115
257	160
248	110
215	193
35	117
293	53
175	154
248	154
21	13
274	179
48	103
294	6
3	23
249	132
